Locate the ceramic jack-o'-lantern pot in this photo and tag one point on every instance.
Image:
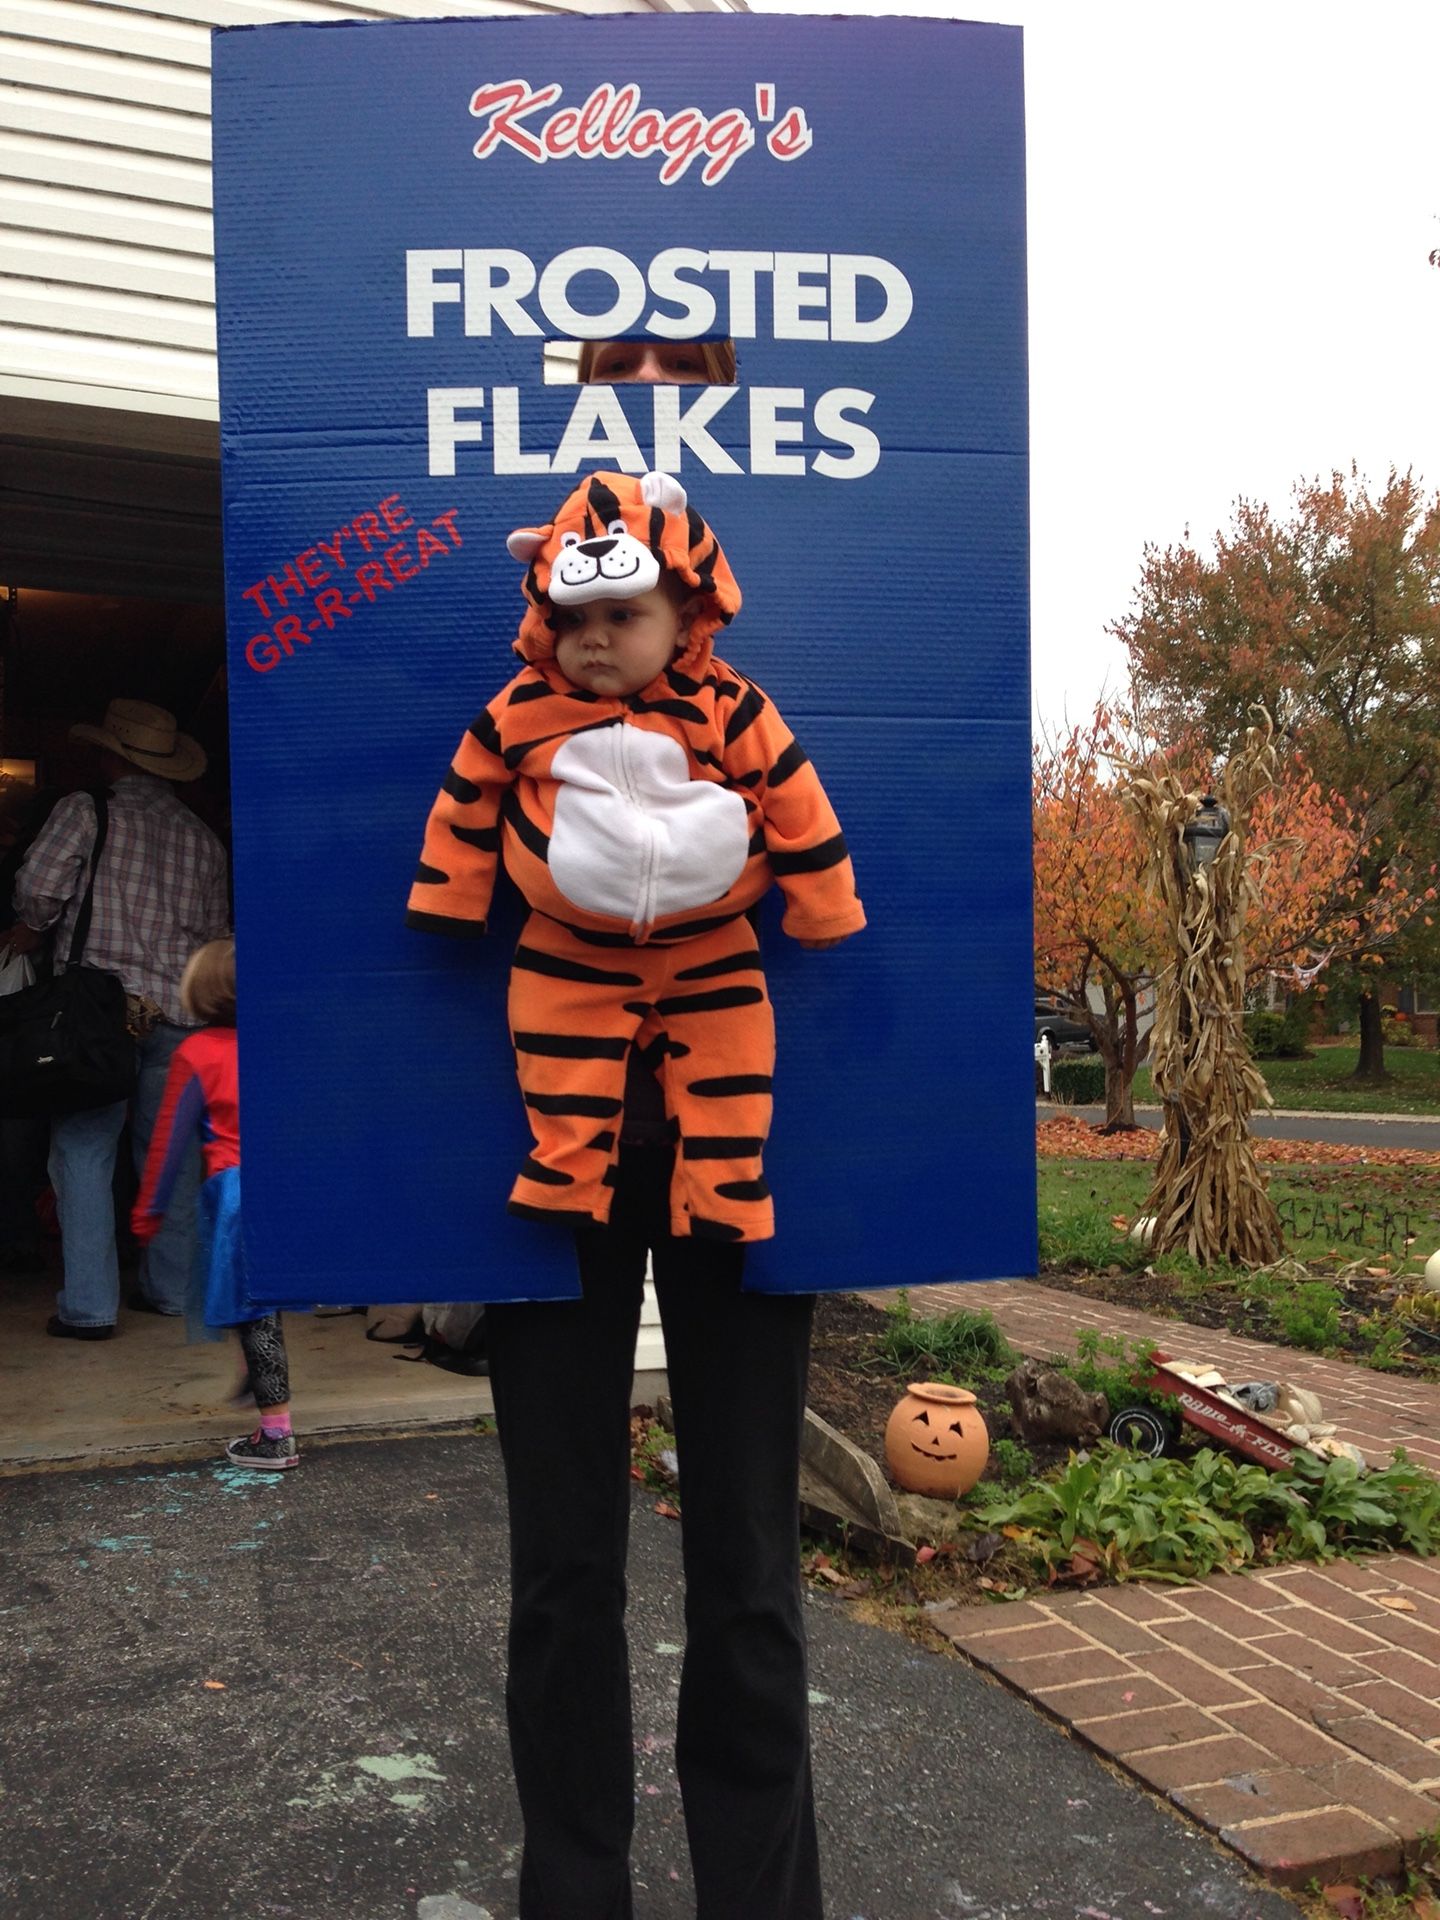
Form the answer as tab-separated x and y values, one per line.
936	1441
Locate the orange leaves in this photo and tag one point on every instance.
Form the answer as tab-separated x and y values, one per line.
1067	1138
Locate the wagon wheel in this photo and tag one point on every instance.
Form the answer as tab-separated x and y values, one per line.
1143	1430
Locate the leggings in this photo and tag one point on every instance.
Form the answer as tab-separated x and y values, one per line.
263	1344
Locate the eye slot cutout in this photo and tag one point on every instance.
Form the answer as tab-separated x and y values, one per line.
645	362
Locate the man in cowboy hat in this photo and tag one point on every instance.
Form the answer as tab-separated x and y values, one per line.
160	892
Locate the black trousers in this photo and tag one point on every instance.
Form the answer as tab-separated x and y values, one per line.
561	1372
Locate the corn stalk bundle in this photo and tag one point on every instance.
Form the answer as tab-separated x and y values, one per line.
1209	1197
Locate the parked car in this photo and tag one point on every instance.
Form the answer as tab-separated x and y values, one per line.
1063	1028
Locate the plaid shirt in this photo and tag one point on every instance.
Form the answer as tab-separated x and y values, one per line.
159	893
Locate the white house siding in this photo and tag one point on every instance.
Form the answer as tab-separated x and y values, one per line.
106	276
109	439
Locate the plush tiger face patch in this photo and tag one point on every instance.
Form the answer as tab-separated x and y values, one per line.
613	537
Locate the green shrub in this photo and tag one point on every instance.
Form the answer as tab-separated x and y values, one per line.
1277	1036
1179	1519
1308	1315
958	1346
1397	1030
1011	1461
1118	1368
1080	1082
1083	1237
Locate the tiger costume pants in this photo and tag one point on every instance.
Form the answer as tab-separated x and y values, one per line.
700	1015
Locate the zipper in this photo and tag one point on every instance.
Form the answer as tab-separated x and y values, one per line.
645	890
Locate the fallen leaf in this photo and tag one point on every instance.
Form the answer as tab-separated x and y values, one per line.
215	1686
1347	1902
1396	1602
432	1496
821	1560
831	1575
666	1511
924	1554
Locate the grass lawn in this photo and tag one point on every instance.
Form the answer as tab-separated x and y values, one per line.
1333	1215
1321	1084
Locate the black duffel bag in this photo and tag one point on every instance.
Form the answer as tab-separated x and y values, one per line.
65	1045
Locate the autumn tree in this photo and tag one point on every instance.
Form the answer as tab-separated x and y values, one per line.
1098	926
1329	618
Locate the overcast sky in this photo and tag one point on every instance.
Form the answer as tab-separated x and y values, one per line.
1230	212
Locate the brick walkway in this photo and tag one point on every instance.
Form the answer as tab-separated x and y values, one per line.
1296	1713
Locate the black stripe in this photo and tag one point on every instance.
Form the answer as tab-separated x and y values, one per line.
790	761
721	1146
526	831
708	759
548	1214
677	709
582	1106
749	709
756	842
459	788
531	960
829	853
722	1085
655	1051
727	689
711	1002
682	683
603	500
545	1176
487	839
657	529
445	923
571	1046
514	755
430	876
602	1143
728	963
690	929
713	1229
638	1007
611	1176
484	729
743	1190
529	690
751	779
695	527
705	569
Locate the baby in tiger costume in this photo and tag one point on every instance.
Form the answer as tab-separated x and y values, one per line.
643	794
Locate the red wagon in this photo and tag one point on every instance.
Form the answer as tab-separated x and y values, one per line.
1247	1433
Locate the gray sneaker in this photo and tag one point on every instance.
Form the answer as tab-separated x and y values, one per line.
271	1453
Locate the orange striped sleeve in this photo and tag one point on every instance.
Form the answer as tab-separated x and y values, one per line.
455	879
803	838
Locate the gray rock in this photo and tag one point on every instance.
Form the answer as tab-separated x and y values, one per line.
450	1906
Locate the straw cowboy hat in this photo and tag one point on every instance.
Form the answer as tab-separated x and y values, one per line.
147	736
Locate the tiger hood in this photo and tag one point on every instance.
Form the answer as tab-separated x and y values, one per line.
615	536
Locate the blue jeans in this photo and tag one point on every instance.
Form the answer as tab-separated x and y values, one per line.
83	1147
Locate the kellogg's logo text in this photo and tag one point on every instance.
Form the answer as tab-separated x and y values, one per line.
612	125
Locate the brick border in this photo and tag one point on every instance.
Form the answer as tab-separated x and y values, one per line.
1292	1712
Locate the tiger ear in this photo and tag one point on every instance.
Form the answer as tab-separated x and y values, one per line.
525	542
663	490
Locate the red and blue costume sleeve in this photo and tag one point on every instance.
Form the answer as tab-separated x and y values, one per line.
182	1110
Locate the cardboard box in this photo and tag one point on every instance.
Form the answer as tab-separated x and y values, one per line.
404	214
